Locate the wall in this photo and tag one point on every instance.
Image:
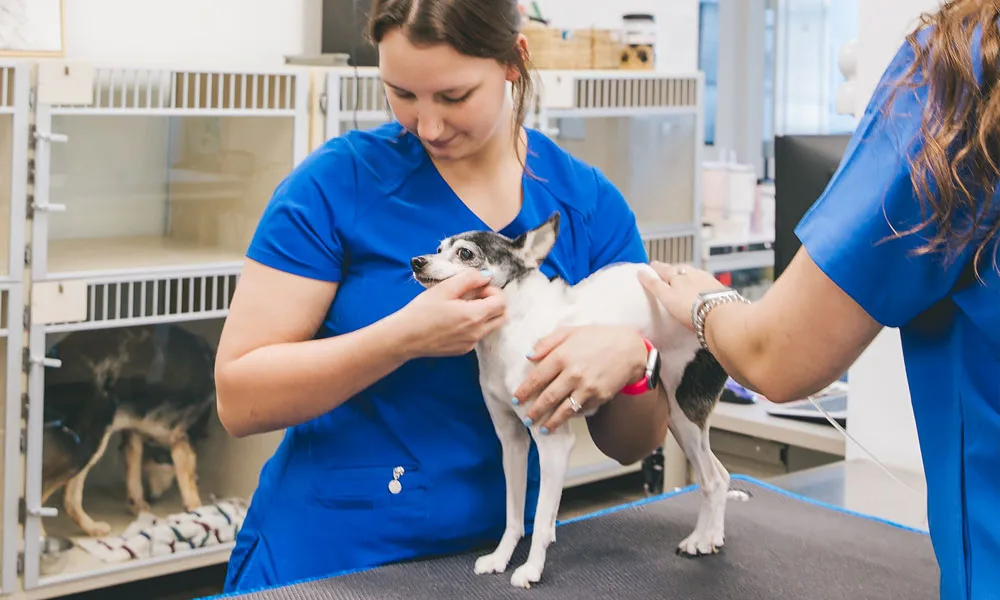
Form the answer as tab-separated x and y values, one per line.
880	416
261	32
219	33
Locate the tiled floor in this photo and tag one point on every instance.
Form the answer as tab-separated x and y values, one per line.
208	581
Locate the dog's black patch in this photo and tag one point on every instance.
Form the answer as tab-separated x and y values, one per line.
700	387
497	249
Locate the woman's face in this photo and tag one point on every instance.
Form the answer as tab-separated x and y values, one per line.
454	103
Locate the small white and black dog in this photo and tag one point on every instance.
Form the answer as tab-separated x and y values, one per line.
690	377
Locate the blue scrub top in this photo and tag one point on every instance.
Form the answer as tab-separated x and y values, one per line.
355	211
953	373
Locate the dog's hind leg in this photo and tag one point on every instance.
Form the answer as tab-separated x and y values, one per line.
185	465
515	442
73	499
553	459
690	408
133	472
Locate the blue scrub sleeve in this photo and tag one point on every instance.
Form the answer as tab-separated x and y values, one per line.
847	232
614	235
298	232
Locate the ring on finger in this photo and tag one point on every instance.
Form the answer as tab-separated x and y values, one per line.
576	406
681	271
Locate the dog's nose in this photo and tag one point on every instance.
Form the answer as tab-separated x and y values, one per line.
418	262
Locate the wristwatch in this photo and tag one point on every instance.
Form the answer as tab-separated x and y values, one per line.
651	377
706	302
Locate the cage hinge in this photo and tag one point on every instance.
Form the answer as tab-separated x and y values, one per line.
27	249
24	441
20	562
26	317
25	405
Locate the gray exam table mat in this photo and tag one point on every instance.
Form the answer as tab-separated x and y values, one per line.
778	546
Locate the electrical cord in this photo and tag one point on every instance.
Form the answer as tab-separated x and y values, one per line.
880	464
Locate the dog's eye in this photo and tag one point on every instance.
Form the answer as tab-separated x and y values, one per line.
465	254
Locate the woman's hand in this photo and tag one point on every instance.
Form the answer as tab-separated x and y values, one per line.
449	318
591	364
677	288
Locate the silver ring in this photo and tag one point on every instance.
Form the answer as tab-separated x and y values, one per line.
576	405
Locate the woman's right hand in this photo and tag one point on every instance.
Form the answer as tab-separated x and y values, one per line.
449	318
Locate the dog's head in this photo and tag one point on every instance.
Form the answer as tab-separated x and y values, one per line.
507	259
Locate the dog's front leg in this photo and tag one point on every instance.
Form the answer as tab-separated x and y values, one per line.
515	443
133	473
553	458
185	464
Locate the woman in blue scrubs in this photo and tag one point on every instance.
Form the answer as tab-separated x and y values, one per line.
389	452
870	258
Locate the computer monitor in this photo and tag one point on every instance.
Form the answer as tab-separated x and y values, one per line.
803	166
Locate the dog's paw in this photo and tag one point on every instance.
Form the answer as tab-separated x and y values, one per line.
98	529
525	575
702	543
491	563
137	507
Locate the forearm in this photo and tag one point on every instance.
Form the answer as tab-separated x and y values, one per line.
629	428
281	385
764	356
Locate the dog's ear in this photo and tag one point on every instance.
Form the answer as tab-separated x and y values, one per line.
536	244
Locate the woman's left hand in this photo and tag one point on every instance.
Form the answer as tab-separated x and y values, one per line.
591	364
677	288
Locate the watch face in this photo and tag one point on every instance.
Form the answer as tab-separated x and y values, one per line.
654	377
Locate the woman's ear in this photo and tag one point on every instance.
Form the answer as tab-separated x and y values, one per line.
521	45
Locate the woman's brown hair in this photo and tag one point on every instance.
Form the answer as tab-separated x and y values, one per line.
478	28
955	171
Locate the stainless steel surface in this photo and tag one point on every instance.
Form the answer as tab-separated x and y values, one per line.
861	486
54	550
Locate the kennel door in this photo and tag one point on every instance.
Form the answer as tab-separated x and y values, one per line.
11	307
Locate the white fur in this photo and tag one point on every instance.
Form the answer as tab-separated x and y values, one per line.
535	308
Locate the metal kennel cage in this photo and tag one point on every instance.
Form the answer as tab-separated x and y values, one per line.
198	301
156	170
15	113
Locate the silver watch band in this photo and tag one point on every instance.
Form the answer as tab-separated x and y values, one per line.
705	303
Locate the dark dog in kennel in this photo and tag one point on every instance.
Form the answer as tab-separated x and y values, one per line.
155	384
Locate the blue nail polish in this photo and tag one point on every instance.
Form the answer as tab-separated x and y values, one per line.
486	272
544	430
528	421
515	401
529	354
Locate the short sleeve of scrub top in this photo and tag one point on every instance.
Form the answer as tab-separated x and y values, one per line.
849	231
298	231
614	232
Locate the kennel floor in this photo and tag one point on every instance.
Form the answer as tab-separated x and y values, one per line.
107	503
131	253
778	545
